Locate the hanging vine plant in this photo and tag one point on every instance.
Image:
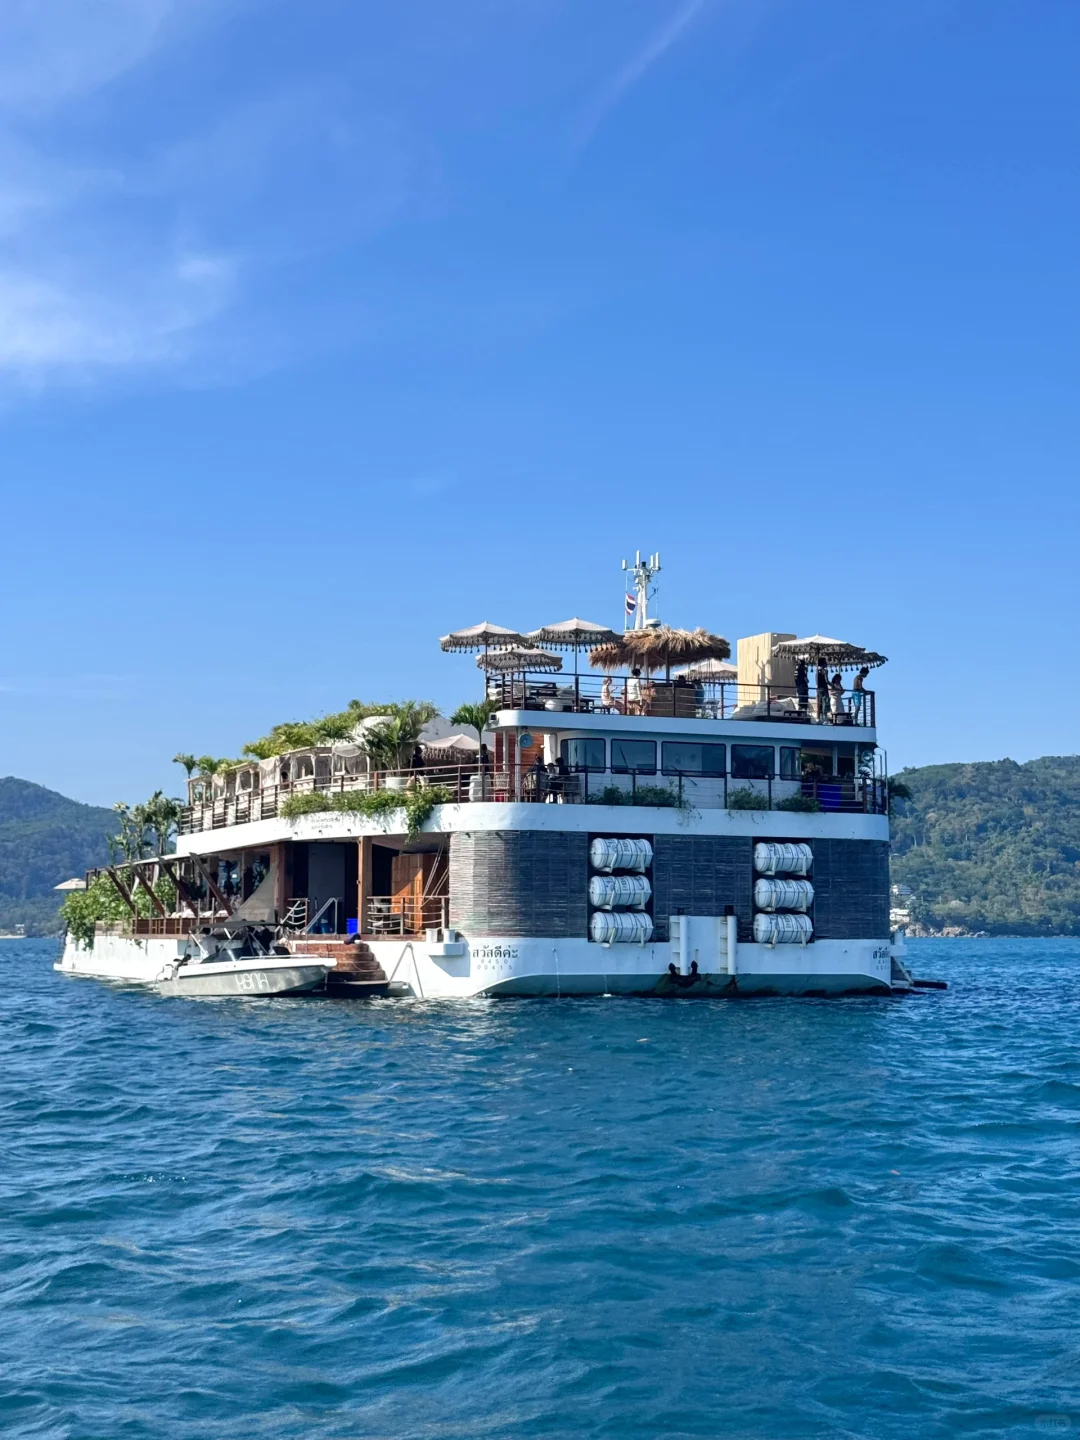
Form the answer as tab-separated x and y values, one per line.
417	803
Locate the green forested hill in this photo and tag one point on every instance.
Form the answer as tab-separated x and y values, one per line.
44	838
993	846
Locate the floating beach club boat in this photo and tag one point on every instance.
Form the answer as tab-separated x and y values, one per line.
659	821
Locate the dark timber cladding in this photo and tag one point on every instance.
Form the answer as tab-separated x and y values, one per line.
851	889
702	875
535	883
519	882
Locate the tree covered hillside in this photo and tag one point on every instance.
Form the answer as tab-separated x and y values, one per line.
993	846
44	838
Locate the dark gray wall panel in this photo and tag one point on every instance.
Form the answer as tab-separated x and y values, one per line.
851	889
521	882
701	875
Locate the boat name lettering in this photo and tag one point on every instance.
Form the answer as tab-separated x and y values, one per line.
251	980
881	953
496	952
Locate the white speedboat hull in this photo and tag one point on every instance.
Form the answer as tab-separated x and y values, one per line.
252	976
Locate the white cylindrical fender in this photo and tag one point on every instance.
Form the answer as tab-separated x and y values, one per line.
773	858
783	894
616	927
619	892
617	853
782	929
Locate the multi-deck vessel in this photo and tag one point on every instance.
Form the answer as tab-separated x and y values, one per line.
704	829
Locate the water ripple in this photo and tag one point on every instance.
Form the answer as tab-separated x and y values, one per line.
544	1219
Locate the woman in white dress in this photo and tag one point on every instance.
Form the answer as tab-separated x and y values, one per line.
836	696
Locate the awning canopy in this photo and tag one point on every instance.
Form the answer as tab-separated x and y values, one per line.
453	742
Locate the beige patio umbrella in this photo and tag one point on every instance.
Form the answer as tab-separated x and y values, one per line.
716	673
513	658
660	645
481	637
72	884
824	650
709	672
575	634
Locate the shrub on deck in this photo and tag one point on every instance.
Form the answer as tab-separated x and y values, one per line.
417	803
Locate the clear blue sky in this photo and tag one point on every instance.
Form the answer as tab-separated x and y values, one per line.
328	326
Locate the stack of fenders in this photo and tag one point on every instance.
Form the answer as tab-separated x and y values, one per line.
783	895
620	891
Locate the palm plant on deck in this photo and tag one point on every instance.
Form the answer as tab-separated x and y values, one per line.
476	714
390	744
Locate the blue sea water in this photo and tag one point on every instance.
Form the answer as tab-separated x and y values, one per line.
622	1218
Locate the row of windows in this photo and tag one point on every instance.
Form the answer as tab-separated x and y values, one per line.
681	757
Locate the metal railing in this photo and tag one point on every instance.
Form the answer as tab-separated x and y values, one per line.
678	699
320	924
469	783
461	782
404	914
708	791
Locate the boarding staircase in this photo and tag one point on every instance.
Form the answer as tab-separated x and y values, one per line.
356	973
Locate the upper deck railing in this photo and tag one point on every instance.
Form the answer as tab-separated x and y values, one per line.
678	699
473	782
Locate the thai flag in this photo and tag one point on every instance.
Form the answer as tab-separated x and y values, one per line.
631	605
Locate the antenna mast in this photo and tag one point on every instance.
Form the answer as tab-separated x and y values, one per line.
643	572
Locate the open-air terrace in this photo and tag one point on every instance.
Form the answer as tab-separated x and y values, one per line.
594	769
707	695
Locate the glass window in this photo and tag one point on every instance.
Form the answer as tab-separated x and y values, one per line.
583	754
637	755
683	758
751	762
790	762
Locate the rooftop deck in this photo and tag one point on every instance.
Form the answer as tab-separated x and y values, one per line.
679	699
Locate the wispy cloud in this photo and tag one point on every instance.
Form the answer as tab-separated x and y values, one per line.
87	280
132	255
625	79
54	50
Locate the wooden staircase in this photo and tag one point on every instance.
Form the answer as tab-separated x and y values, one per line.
357	972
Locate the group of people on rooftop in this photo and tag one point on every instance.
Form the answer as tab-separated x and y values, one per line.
829	700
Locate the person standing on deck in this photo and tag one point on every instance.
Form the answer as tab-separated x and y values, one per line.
633	693
858	693
822	682
836	696
802	687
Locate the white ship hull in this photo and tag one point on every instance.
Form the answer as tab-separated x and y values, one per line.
543	967
552	967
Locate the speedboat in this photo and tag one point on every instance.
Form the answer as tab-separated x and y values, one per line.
238	960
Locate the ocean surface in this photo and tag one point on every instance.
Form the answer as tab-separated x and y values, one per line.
768	1219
